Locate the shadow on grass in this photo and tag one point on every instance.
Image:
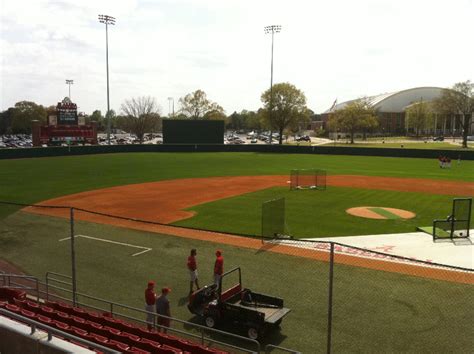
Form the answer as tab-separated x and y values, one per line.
273	334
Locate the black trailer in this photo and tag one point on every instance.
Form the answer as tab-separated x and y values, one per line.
255	312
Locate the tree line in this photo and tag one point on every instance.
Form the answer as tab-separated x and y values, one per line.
283	110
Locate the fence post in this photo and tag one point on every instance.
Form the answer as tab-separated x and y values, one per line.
331	277
73	258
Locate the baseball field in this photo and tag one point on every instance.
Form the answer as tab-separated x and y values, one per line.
373	309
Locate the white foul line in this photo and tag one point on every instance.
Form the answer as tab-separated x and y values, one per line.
145	249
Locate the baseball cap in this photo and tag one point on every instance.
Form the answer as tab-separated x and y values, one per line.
151	283
218	252
165	290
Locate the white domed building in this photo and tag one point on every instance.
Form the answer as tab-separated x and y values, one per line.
391	108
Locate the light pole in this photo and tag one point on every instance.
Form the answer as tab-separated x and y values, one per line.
170	99
69	82
271	29
108	20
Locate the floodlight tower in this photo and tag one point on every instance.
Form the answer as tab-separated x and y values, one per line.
108	20
170	101
69	82
271	29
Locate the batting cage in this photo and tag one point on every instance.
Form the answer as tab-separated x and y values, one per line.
308	179
457	224
273	218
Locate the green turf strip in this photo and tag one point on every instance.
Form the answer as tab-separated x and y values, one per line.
383	212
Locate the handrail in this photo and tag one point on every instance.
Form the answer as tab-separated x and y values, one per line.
200	328
50	331
270	347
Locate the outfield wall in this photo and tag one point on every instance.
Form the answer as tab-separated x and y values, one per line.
285	149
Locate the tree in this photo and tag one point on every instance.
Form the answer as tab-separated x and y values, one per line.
288	107
196	105
355	116
97	116
6	121
142	115
418	116
24	113
459	101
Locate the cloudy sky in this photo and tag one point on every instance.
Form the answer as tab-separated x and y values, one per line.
167	48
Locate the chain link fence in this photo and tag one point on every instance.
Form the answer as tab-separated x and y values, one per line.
342	298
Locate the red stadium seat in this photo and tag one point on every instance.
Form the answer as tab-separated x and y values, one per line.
10	294
149	345
92	316
19	302
77	311
32	306
13	308
61	325
47	311
137	351
167	349
27	313
43	319
98	339
117	345
63	307
52	304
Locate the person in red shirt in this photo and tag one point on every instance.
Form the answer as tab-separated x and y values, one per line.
218	268
150	298
193	273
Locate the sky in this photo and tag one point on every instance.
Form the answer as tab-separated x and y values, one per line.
338	49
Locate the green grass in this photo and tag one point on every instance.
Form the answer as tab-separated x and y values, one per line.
374	311
409	145
311	213
34	180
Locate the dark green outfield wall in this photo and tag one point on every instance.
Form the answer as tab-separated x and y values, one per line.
286	149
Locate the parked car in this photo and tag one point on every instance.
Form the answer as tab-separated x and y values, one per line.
470	138
438	138
303	138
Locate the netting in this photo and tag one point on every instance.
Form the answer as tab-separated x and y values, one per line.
273	218
308	179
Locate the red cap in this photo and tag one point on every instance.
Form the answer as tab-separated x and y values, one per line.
218	252
151	283
166	290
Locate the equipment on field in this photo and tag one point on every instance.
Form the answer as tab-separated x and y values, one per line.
457	224
238	306
308	179
273	218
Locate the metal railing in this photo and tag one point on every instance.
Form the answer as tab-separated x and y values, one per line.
270	348
34	325
114	309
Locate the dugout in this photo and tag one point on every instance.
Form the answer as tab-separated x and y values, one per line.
192	131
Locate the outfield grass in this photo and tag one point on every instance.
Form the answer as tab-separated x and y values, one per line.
374	311
403	144
34	180
311	213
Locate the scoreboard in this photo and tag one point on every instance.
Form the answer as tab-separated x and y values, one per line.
66	112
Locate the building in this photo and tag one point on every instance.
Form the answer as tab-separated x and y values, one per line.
391	108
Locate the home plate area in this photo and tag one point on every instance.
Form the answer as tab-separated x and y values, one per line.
414	245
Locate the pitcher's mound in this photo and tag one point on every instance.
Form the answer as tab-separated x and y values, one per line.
380	213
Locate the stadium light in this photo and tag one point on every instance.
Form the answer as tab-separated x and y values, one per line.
69	82
271	29
107	20
170	99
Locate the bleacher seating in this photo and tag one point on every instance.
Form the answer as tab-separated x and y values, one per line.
102	329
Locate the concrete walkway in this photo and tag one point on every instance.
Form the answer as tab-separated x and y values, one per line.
415	245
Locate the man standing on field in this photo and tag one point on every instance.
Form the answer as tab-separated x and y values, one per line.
150	298
218	268
193	274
